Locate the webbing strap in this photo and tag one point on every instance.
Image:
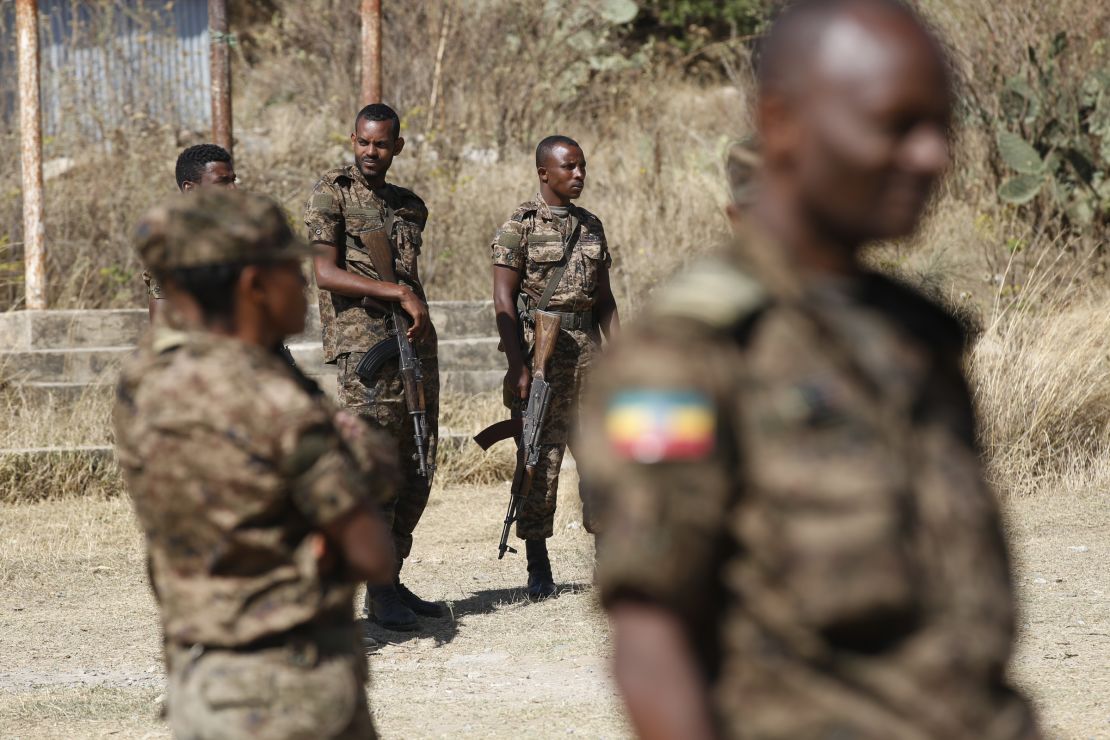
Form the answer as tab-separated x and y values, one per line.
557	276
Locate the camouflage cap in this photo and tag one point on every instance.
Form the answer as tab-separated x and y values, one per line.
215	227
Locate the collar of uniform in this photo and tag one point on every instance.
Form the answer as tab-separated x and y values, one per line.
355	174
206	342
763	257
543	210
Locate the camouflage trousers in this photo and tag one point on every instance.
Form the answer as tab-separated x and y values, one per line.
574	352
286	693
382	405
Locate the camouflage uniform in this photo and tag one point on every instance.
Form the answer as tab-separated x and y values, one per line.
791	470
234	465
341	208
532	243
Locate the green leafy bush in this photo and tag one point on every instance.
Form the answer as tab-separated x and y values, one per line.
1054	138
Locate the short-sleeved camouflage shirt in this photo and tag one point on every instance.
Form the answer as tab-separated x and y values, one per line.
341	207
791	470
532	242
232	463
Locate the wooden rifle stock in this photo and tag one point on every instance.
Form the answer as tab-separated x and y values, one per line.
547	333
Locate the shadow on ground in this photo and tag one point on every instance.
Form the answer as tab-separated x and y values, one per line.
446	629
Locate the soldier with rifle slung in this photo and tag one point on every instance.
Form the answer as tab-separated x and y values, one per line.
551	256
376	328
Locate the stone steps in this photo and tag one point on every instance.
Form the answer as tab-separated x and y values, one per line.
62	353
22	331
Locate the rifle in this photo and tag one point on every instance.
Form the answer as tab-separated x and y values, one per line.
527	428
397	345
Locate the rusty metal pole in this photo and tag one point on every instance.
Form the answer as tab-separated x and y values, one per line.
371	51
220	70
30	149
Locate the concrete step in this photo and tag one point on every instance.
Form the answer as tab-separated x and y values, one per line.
100	364
22	331
459	382
84	365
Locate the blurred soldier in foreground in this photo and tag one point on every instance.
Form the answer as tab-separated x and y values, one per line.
200	166
551	255
370	234
800	542
257	508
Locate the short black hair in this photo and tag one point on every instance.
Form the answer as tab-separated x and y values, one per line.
796	30
545	147
192	161
380	112
212	286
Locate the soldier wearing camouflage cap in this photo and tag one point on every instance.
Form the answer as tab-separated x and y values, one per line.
800	541
346	205
552	255
258	500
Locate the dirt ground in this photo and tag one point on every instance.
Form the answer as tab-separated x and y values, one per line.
80	657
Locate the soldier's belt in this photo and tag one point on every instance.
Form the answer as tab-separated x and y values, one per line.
579	320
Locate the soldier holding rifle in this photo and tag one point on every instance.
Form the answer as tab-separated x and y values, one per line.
551	256
374	316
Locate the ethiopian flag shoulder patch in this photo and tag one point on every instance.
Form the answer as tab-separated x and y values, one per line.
651	426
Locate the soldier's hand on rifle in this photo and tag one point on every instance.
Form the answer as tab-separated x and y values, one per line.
520	379
415	307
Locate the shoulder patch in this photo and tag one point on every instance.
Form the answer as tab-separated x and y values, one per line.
713	292
650	425
324	201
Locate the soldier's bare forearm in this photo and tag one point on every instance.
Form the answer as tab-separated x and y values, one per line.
331	277
366	546
508	329
606	307
506	285
657	674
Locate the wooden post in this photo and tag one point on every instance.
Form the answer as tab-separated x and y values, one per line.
371	52
30	150
220	71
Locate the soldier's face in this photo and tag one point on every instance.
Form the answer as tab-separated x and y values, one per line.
564	171
866	139
282	297
214	175
375	147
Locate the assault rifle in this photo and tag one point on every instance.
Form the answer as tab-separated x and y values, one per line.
527	428
397	345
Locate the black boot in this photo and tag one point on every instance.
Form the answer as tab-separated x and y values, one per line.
540	583
417	604
384	606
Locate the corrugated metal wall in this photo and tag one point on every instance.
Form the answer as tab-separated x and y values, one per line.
107	65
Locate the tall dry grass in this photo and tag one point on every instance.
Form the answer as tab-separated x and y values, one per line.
654	136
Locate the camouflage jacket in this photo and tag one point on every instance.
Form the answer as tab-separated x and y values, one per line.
532	242
791	470
232	461
340	208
